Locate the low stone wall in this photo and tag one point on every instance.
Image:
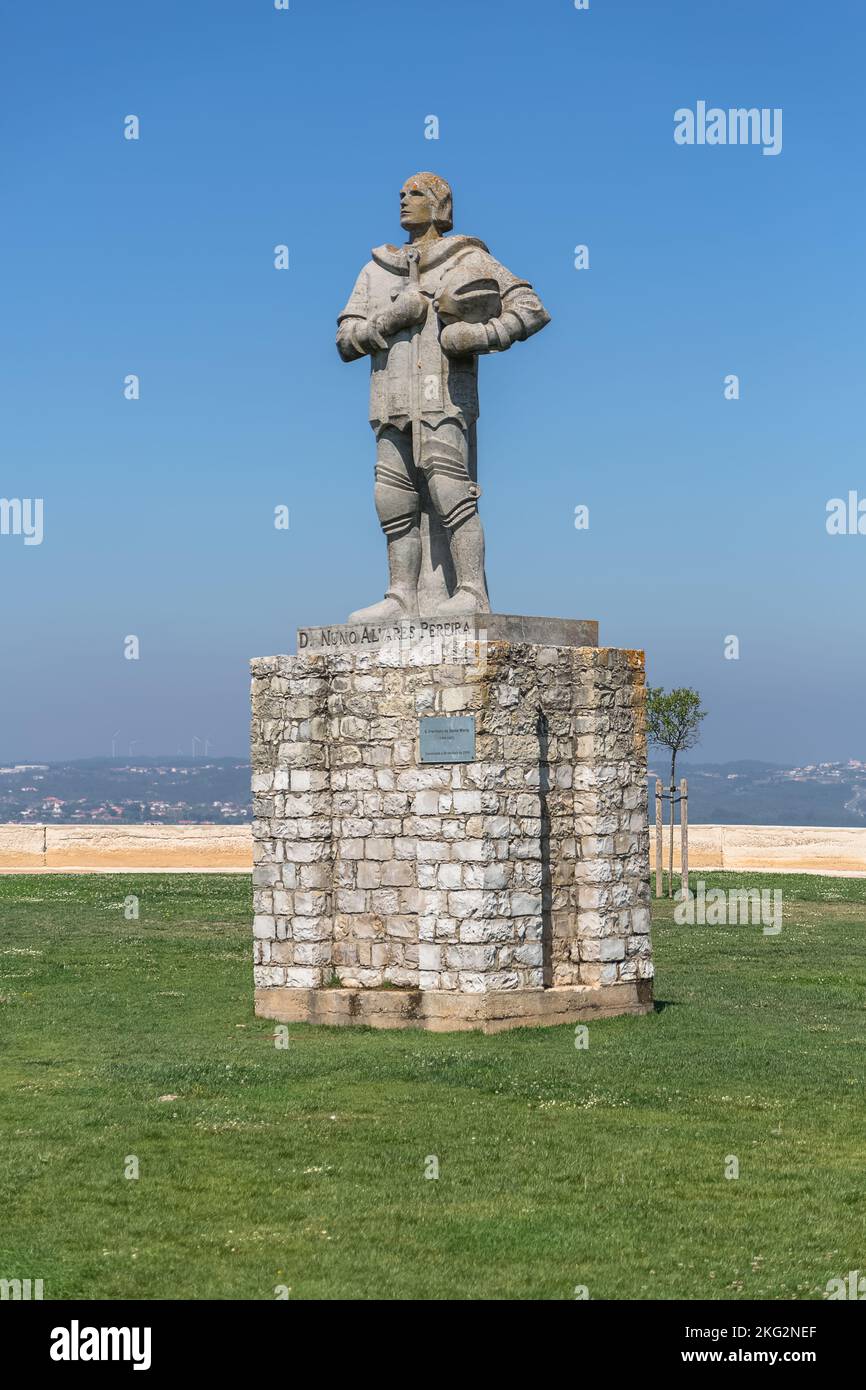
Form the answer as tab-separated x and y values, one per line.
229	849
126	848
778	848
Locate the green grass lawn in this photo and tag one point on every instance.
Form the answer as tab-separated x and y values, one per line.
305	1166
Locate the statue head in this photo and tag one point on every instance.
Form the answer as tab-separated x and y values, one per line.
425	202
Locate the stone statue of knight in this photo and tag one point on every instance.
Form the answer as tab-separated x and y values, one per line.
423	313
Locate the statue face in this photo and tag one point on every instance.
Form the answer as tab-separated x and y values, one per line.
417	206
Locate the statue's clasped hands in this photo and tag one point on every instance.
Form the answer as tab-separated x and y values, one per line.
405	310
458	339
409	307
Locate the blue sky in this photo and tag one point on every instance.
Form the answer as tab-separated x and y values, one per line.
259	127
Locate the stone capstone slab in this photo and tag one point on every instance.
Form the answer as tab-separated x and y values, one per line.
475	628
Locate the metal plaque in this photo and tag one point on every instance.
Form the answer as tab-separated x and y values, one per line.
448	739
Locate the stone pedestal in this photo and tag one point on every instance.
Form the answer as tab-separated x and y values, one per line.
509	890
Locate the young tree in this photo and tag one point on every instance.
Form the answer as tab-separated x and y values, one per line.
673	720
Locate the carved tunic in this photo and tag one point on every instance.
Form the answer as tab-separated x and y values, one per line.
412	371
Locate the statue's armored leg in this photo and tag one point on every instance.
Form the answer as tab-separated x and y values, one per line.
444	461
399	509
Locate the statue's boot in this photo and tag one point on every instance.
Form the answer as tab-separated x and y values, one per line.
467	553
463	602
401	599
395	604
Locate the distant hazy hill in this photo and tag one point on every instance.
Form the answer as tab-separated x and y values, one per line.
106	790
755	793
103	790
